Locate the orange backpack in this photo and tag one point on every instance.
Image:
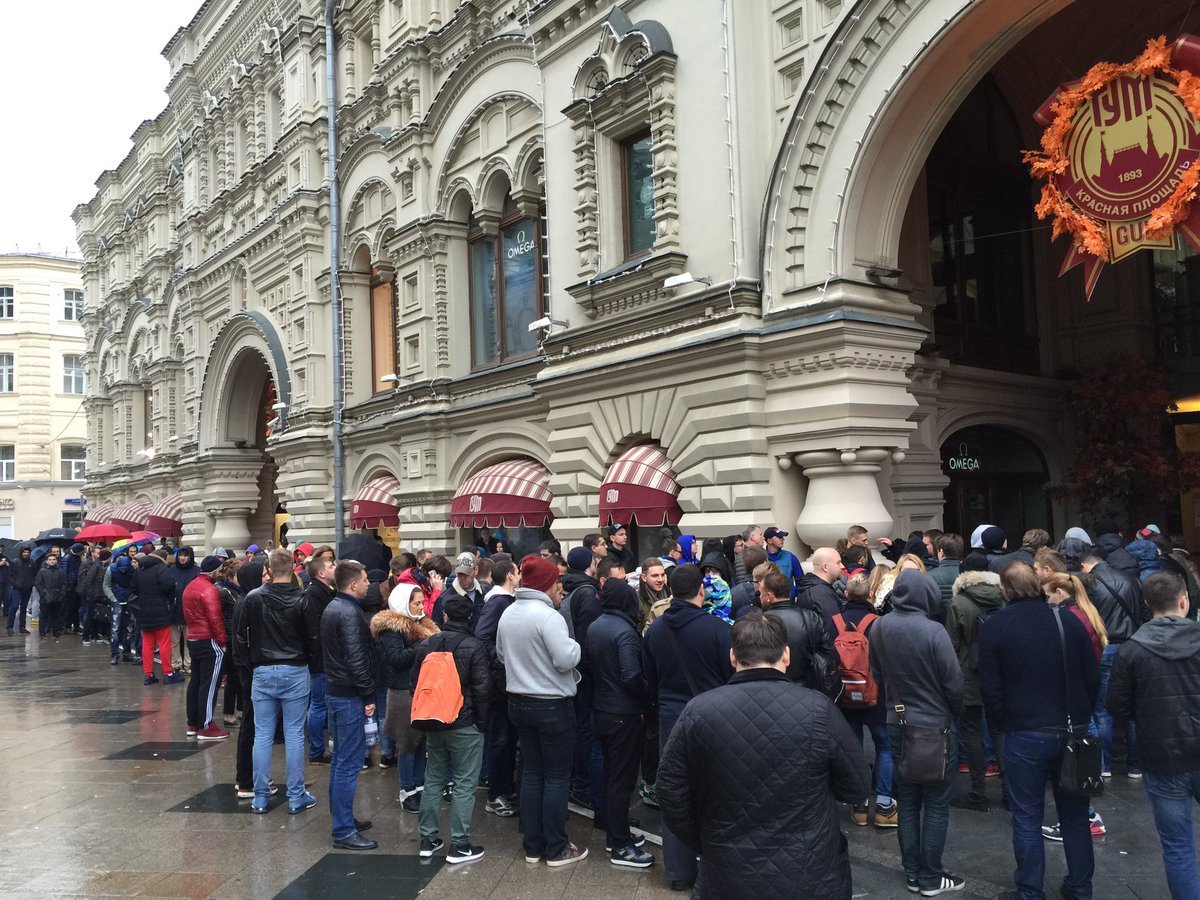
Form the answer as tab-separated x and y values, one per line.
859	690
437	696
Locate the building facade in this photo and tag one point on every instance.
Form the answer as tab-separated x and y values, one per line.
43	428
784	252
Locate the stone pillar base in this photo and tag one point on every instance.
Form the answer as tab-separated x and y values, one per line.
843	490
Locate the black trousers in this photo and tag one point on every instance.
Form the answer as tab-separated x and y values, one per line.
50	619
621	738
245	738
204	682
650	745
972	732
233	685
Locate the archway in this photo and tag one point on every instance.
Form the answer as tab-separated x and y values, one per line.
997	477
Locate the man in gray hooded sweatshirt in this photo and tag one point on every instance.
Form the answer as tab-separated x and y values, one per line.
1156	684
911	655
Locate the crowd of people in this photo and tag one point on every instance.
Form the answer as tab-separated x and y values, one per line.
720	680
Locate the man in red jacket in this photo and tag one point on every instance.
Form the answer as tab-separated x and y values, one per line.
206	640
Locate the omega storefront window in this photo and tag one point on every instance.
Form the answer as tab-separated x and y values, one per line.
997	477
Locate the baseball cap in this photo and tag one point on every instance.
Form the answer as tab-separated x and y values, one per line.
773	532
1148	532
464	568
222	553
613	529
211	563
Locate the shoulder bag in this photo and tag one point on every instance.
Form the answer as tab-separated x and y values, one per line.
924	751
1079	771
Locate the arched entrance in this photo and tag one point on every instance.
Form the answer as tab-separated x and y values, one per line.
244	403
997	477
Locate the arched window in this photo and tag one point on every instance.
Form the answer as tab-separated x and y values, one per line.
507	272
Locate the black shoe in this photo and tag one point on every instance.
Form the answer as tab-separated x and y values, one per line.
914	885
356	842
411	804
580	799
323	760
971	802
631	857
948	884
387	762
461	853
1066	892
430	846
682	885
25	631
638	841
366	763
361	825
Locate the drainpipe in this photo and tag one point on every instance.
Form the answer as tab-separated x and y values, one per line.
335	284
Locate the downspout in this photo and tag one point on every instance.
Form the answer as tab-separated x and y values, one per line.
335	284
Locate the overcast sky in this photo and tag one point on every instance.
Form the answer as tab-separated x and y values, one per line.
79	77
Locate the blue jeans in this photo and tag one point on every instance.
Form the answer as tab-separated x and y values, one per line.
347	719
279	691
924	816
883	759
1031	760
317	717
500	752
387	746
1104	722
546	732
1171	798
412	769
118	635
587	776
18	604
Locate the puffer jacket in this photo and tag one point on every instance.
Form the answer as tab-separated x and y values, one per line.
1111	548
155	589
229	595
51	585
474	673
1146	554
345	643
1156	684
976	597
1118	598
814	662
398	636
202	611
750	780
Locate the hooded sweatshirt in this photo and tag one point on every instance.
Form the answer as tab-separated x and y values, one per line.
976	595
183	573
1156	683
700	649
532	643
911	655
1146	554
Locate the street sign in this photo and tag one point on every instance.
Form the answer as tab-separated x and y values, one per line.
74	501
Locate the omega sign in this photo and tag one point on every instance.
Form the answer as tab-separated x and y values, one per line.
520	246
964	462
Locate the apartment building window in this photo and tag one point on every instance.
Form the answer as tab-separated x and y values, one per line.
72	374
6	301
72	305
7	373
506	271
637	177
74	460
8	462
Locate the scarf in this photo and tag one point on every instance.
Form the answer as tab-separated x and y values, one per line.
717	599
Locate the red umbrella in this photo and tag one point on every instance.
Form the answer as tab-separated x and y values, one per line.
104	532
140	537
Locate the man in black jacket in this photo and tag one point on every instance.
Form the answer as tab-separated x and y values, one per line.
350	662
1156	683
581	607
1117	596
615	651
752	773
815	589
1036	679
24	571
686	652
318	595
619	550
813	659
500	748
51	586
277	640
155	591
454	747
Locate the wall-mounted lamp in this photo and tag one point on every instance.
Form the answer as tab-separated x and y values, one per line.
686	278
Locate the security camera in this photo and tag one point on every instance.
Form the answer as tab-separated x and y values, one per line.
390	378
545	322
275	421
686	278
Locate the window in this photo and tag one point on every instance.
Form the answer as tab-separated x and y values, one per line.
637	166
72	374
383	333
73	462
6	301
8	462
7	379
506	271
72	305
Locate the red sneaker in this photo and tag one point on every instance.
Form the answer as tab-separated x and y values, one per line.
992	771
212	733
964	768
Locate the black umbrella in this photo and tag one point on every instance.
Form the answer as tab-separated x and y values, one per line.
62	536
364	549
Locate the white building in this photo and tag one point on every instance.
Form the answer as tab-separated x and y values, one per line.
845	173
43	428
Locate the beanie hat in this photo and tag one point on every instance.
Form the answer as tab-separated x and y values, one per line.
211	564
538	574
253	548
105	555
579	559
79	548
993	538
459	608
1106	526
975	561
977	537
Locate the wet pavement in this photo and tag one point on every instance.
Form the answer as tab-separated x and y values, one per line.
105	796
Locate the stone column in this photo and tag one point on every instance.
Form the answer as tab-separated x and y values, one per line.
841	484
227	489
230	528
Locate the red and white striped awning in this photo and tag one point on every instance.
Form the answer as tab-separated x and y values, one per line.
132	515
375	505
166	516
640	487
98	515
508	495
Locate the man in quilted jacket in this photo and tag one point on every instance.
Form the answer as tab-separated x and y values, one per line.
752	773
